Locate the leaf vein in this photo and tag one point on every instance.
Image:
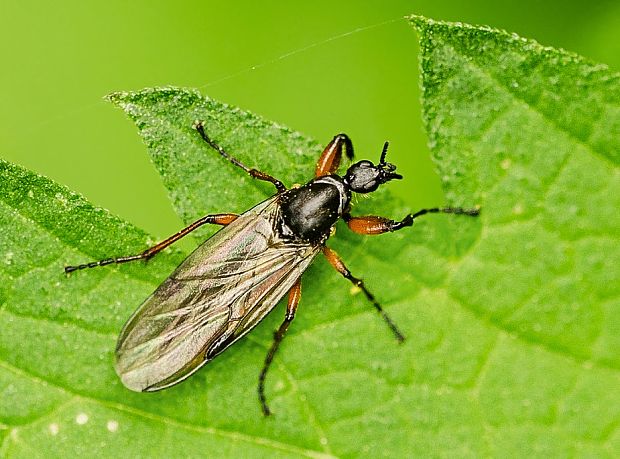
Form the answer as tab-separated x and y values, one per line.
239	436
508	90
547	346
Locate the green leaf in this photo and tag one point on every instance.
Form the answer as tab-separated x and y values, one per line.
533	134
512	318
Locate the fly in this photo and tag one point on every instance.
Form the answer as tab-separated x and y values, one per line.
235	278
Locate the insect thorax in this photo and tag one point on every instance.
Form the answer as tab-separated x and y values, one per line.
310	211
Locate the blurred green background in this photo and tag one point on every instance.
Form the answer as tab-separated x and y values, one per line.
303	64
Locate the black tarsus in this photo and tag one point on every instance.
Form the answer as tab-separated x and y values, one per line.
359	283
473	212
277	339
291	308
107	261
408	220
335	260
254	173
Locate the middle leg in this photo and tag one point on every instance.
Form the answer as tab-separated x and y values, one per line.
339	266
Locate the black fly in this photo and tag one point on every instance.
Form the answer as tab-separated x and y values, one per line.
235	278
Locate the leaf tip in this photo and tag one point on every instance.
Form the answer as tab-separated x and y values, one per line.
152	95
116	97
420	23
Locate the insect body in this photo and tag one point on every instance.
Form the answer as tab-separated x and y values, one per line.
235	278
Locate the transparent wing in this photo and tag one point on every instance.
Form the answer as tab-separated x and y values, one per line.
218	294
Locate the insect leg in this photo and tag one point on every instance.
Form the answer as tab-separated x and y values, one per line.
339	265
371	224
330	158
254	173
294	296
216	219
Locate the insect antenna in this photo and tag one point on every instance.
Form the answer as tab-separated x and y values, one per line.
384	152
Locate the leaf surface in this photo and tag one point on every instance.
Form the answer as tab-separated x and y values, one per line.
512	319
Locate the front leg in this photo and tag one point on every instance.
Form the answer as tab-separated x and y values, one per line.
371	224
330	158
